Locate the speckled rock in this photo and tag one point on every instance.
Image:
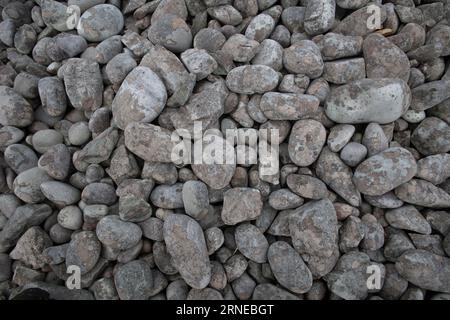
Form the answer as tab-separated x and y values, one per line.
368	100
186	244
385	171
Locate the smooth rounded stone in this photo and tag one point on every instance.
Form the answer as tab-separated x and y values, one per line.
281	35
368	100
431	243
195	199
430	94
353	154
288	267
60	193
260	27
431	136
149	142
99	193
339	136
79	133
384	59
319	16
14	109
199	62
396	244
304	57
179	83
425	270
267	291
385	171
10	135
135	103
7	31
168	196
171	32
70	217
209	39
99	120
408	218
95	211
413	116
53	95
216	176
27	185
56	161
251	242
385	201
335	173
83	83
218	276
119	67
134	280
344	71
355	24
214	238
254	111
320	242
43	140
100	22
287	106
243	287
226	14
393	285
292	19
20	157
423	193
435	168
118	234
26	85
235	266
251	79
108	49
83	251
241	204
306	141
284	199
240	48
337	46
64	46
374	139
177	290
186	244
162	259
307	186
5	267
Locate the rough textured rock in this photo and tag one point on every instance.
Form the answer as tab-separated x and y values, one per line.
186	244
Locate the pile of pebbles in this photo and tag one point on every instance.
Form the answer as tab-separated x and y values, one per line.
359	91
